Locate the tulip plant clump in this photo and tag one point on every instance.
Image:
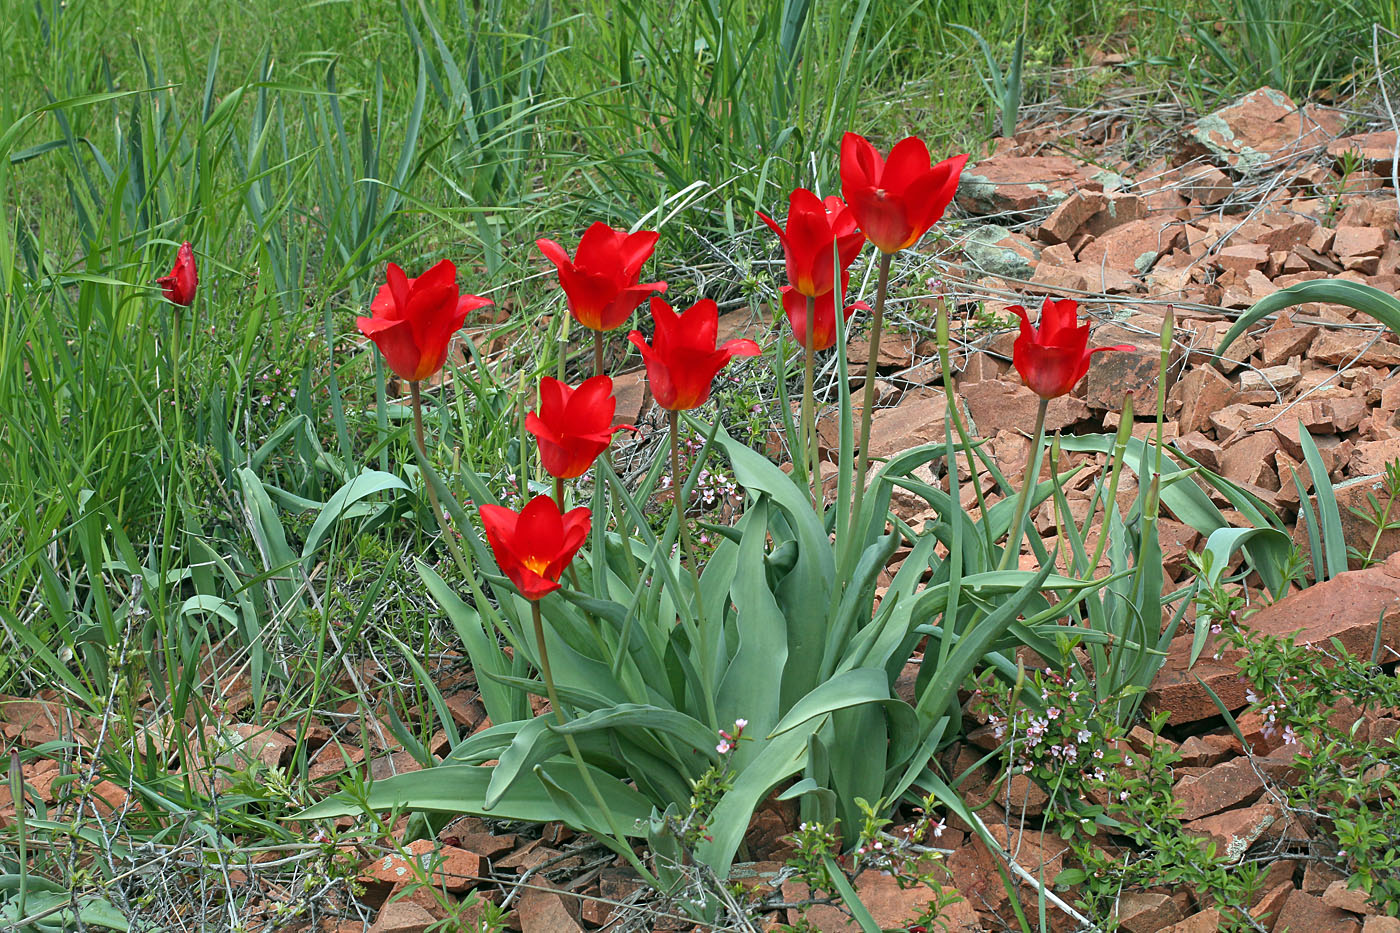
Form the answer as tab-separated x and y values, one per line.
769	667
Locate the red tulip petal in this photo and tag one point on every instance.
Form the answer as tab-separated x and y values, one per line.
782	234
589	296
383	303
861	164
620	307
881	218
666	321
908	161
634	251
1056	318
554	400
554	253
499	523
399	285
929	195
848	247
1027	331
395	342
1047	371
538	530
663	388
469	303
542	430
592	406
741	346
699	325
597	251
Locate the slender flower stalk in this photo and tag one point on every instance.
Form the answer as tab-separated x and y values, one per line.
1013	538
417	397
597	353
809	417
1120	449
618	843
179	287
678	498
945	365
868	393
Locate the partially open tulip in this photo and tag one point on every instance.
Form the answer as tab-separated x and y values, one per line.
813	225
600	282
682	359
533	546
1054	355
573	426
896	200
179	286
824	317
414	319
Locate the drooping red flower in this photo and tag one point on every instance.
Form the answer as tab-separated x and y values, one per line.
813	225
682	359
1053	356
824	316
600	282
179	286
573	426
896	200
414	319
534	545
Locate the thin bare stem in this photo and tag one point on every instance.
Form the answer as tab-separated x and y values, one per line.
1013	537
678	498
618	842
597	353
868	395
809	416
438	516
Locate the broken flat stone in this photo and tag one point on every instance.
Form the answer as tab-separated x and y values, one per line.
1016	184
1260	128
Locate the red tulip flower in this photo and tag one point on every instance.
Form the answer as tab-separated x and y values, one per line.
813	225
178	287
534	545
895	201
573	426
1054	356
824	316
682	360
414	319
601	281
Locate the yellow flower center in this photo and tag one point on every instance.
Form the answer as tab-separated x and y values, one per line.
536	565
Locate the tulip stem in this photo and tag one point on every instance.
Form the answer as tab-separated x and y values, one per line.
597	353
1013	539
619	844
868	395
678	499
559	501
423	451
809	417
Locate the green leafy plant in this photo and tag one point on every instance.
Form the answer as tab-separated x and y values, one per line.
1345	777
1005	89
779	628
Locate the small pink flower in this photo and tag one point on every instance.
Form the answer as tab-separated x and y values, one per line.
723	748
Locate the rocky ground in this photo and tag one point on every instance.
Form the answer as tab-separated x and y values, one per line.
1252	198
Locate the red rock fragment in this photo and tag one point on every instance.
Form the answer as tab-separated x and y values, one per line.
1303	911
